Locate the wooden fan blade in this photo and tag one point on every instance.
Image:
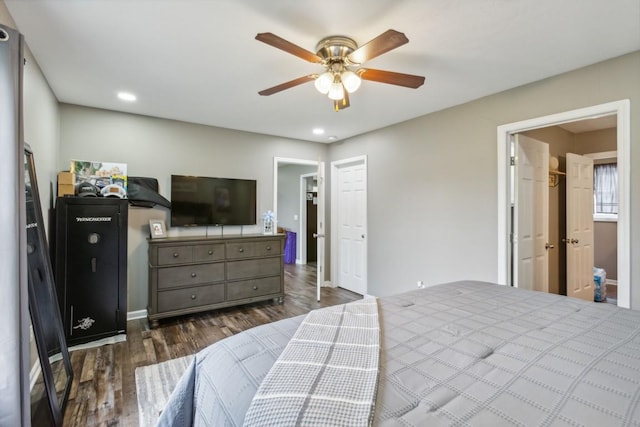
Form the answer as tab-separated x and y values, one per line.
389	77
288	85
282	44
342	104
385	42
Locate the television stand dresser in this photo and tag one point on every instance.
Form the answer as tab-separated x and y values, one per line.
194	274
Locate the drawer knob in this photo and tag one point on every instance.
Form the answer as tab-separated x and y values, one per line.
193	296
241	250
255	288
193	274
175	254
268	248
210	252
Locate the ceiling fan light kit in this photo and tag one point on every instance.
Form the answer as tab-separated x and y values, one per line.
337	54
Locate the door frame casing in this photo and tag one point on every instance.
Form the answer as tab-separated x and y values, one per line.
335	208
623	116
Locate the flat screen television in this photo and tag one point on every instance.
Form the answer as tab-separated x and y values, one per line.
200	201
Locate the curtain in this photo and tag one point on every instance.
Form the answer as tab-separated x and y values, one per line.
605	188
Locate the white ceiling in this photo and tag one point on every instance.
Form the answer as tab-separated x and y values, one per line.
197	60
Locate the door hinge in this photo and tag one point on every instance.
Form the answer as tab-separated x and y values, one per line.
512	161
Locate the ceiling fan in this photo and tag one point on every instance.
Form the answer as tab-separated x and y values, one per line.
340	56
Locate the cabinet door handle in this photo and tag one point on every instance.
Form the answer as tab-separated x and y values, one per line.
241	250
175	254
193	274
255	288
193	296
210	252
268	248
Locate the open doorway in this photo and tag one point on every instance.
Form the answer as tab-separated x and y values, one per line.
308	218
595	139
294	179
620	112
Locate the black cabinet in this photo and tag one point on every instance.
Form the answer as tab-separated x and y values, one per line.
91	266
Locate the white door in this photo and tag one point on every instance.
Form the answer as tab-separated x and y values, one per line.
349	214
531	214
320	230
579	232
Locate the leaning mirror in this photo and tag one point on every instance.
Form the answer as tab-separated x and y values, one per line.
51	374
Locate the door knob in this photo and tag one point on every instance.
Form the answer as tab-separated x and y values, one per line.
316	235
548	246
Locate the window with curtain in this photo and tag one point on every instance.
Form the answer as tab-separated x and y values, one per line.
605	190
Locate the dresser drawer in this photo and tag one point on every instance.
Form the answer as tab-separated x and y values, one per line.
188	275
253	288
204	253
238	250
190	297
253	268
175	255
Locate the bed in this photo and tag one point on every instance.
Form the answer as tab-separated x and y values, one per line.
465	353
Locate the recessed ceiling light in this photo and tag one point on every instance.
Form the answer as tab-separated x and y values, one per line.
318	131
125	96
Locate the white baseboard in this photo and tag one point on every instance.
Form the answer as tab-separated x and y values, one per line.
328	284
138	314
611	282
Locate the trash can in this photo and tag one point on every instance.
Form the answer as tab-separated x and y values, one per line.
600	282
290	248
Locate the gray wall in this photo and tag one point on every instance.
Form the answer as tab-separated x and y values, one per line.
41	120
158	148
432	204
432	182
289	194
605	249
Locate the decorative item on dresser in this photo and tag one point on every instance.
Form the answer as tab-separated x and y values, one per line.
195	274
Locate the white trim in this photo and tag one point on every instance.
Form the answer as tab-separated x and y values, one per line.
602	155
334	214
622	111
137	314
602	217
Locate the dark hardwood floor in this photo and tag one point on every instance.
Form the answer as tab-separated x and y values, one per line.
103	392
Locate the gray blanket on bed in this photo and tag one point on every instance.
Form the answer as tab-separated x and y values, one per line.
328	372
464	354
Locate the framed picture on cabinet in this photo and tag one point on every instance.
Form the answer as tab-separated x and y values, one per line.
157	228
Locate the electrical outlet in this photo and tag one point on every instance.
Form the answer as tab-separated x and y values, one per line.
420	284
